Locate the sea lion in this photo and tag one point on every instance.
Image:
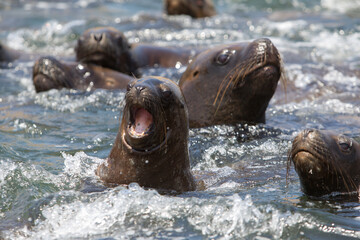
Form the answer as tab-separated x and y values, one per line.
49	73
151	147
107	47
8	54
193	8
326	162
232	83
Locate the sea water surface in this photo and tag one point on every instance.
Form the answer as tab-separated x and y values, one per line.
51	143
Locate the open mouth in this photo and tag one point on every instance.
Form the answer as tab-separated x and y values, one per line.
141	122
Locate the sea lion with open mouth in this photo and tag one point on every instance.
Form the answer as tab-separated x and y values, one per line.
326	162
231	83
151	147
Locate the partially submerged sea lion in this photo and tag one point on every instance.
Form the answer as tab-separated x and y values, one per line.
151	147
232	83
107	47
326	162
193	8
49	73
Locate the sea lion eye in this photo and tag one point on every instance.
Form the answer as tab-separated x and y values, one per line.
166	94
224	57
345	144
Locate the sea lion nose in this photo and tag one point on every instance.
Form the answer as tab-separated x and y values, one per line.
139	89
98	37
308	133
263	45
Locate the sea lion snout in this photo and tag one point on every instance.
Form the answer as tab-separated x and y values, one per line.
98	37
308	133
265	52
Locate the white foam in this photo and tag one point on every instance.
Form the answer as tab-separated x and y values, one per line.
343	6
134	212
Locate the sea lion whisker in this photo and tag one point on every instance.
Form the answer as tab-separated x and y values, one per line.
225	82
222	97
237	74
232	76
341	172
288	166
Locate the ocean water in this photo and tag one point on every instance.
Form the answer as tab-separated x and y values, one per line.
51	143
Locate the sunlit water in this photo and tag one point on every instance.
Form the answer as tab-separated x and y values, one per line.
50	143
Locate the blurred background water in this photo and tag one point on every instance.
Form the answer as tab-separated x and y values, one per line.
50	143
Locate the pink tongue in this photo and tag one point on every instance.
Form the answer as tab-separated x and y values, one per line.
143	120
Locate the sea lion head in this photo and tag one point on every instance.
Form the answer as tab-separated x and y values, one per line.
107	47
49	73
231	83
193	8
326	162
155	112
